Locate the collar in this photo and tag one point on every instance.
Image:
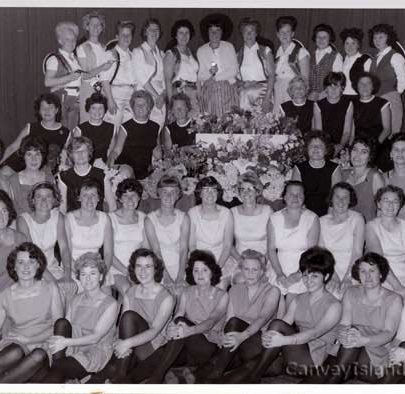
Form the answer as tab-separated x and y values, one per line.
328	49
184	124
288	50
67	55
254	47
140	122
147	47
368	100
299	104
122	51
384	52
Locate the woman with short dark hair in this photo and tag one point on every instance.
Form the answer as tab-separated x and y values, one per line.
31	305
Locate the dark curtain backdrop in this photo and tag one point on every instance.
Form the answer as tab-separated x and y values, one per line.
27	35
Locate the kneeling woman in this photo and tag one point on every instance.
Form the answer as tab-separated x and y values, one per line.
82	343
313	313
370	320
31	305
146	311
251	305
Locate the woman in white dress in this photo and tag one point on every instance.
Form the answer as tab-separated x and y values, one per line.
291	231
148	69
167	230
211	227
343	233
250	219
386	234
128	231
87	228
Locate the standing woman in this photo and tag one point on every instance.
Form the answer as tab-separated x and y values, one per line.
48	112
389	67
146	311
291	59
211	227
353	62
365	179
256	68
33	151
128	230
31	305
318	173
386	234
148	69
167	231
325	60
290	232
343	233
180	66
218	66
83	341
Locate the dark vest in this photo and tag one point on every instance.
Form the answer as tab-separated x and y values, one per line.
293	58
62	70
261	54
303	114
320	71
385	73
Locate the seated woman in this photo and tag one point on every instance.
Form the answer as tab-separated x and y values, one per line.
128	231
299	108
363	177
177	133
251	305
304	336
251	218
48	111
386	234
290	232
372	116
195	330
87	228
211	227
318	173
31	306
334	113
396	176
167	231
146	311
9	238
99	132
80	153
370	319
83	341
33	150
342	233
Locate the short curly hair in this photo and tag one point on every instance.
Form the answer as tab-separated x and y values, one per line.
34	253
76	142
354	33
390	189
286	20
181	97
96	98
334	78
249	21
320	135
344	186
208	259
129	185
158	265
182	23
250	254
8	202
392	37
125	24
317	259
148	22
208	181
169	181
294	81
373	78
49	98
30	143
44	185
62	28
326	28
292	183
373	259
143	94
90	15
253	179
89	183
369	143
91	259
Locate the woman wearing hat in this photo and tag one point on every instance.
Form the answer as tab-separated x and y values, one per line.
218	66
256	67
325	60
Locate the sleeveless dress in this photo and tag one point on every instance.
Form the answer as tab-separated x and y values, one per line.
148	310
338	238
369	320
84	318
199	309
246	309
127	239
392	179
169	240
307	316
290	244
210	235
29	315
45	235
393	246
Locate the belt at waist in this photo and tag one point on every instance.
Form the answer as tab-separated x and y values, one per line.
73	88
123	85
179	84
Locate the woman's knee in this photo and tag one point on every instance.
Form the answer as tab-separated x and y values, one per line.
14	352
39	356
182	319
62	327
130	324
281	326
235	324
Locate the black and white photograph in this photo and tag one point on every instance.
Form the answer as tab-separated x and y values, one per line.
201	196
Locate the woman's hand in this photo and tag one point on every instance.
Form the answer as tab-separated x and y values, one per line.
160	100
112	106
352	338
294	278
282	281
122	348
232	340
272	338
106	66
172	330
396	356
213	69
57	343
12	337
